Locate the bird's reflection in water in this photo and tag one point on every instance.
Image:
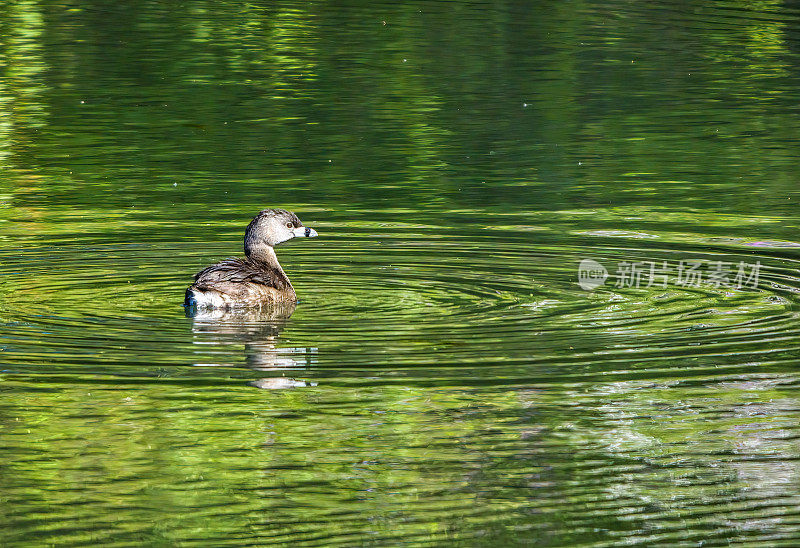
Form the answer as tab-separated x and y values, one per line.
258	329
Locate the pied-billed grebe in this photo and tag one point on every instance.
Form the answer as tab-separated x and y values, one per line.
257	279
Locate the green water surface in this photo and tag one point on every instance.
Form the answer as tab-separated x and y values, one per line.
444	379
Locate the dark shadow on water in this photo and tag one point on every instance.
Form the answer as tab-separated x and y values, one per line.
259	330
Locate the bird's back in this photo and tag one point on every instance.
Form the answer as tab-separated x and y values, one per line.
239	283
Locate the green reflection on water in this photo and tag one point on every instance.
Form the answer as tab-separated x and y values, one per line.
453	384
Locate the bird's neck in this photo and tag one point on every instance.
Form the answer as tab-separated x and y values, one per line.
266	257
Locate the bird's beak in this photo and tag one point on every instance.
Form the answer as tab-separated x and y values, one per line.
304	232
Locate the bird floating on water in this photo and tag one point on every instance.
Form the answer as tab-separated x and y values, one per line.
258	279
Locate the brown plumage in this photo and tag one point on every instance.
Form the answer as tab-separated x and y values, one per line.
256	280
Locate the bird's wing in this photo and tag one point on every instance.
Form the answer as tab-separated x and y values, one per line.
235	271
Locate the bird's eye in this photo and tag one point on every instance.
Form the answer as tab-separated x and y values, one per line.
289	225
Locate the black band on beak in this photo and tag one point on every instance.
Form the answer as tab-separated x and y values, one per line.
308	232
